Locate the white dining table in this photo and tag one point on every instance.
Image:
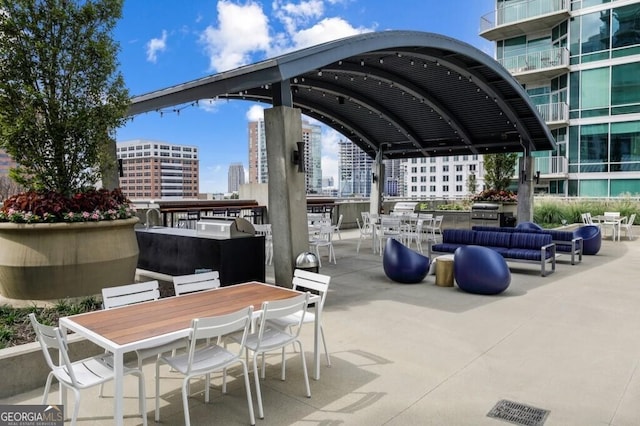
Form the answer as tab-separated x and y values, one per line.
614	221
149	324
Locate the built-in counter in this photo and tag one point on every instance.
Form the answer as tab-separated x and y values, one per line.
177	251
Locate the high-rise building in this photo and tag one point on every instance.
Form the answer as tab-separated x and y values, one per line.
236	177
152	169
443	177
6	163
354	170
579	61
311	136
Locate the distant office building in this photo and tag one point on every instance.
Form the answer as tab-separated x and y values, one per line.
236	177
442	177
394	178
154	170
579	62
354	171
311	136
328	182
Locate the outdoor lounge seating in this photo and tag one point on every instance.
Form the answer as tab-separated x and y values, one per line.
469	260
403	265
591	239
567	242
527	247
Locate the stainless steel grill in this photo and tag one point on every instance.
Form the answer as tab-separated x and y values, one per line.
489	214
225	227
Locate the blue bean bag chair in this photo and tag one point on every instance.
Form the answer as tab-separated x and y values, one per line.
529	226
403	265
591	238
480	270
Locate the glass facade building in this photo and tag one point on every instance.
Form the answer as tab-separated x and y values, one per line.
579	60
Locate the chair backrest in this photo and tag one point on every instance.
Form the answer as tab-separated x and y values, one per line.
390	224
51	338
312	281
339	221
281	308
631	219
221	325
612	214
123	295
183	284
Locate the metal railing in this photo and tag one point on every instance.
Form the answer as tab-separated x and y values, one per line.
554	112
516	12
551	165
536	61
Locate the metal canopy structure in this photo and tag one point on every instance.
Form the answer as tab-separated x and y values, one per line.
409	94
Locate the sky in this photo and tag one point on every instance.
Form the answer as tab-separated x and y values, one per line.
168	42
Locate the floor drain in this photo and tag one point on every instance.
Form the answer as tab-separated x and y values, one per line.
519	414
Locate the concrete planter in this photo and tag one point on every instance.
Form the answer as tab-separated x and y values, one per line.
52	261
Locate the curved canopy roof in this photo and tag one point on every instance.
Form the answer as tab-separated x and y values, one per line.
413	94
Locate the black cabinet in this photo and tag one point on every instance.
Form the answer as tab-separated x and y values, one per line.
175	251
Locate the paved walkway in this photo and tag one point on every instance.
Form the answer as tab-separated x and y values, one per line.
427	355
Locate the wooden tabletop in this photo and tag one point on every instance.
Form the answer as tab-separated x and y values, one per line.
149	319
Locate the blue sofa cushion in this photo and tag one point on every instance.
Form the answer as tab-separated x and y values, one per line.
493	239
526	254
446	247
530	240
561	235
458	236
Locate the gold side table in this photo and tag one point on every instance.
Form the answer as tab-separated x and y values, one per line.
444	270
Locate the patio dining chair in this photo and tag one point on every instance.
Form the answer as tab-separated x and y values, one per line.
304	281
185	284
202	359
628	226
81	374
366	233
323	238
129	294
269	338
265	230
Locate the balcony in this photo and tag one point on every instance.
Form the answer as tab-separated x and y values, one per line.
537	66
523	18
555	115
552	167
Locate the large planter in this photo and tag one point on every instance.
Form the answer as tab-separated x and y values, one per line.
52	261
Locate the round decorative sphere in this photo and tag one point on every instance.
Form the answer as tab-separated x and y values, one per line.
529	226
591	238
480	270
403	265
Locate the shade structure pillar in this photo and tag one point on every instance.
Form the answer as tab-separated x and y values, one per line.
377	177
287	194
525	189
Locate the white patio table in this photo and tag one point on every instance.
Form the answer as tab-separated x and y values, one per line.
148	324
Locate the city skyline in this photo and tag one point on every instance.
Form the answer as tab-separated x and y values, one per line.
165	43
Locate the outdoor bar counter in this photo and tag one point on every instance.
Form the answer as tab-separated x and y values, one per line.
178	251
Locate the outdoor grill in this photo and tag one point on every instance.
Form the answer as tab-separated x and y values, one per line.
490	214
225	227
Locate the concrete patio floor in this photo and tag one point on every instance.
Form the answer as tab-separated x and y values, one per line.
427	355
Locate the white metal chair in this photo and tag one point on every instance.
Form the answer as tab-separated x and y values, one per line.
366	233
435	227
270	338
129	294
415	233
82	374
302	281
324	238
265	230
587	219
628	226
336	227
204	359
389	228
184	284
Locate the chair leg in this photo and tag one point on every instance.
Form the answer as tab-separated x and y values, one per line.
247	386
304	370
47	388
324	343
142	397
283	367
185	401
256	379
157	411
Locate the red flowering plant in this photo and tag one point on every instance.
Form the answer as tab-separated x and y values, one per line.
47	207
495	195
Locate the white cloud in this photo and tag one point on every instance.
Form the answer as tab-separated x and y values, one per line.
255	113
293	15
210	105
156	45
242	30
330	152
326	30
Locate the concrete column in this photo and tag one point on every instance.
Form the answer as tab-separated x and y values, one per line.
525	189
287	194
375	198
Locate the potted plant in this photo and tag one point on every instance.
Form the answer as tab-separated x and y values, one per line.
61	99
